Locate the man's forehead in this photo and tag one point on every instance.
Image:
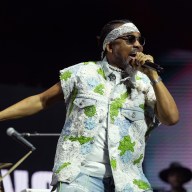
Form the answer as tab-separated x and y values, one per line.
137	34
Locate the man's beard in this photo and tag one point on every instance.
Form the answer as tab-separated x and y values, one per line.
125	63
128	68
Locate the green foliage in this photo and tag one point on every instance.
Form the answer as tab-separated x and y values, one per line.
141	184
90	111
99	89
113	163
126	145
137	161
82	140
63	166
116	104
66	75
101	72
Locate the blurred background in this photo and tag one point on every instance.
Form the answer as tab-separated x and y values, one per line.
37	39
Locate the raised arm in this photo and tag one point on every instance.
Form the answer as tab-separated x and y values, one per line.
166	108
33	104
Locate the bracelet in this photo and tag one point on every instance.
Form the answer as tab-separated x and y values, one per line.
153	82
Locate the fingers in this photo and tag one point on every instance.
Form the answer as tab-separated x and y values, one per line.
142	58
139	60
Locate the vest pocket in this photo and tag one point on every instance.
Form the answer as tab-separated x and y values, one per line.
133	114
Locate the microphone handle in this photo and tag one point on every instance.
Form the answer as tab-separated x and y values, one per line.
25	142
153	66
19	138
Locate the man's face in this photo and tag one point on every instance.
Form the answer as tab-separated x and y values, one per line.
124	49
175	179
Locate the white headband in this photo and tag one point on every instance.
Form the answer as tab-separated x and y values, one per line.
119	31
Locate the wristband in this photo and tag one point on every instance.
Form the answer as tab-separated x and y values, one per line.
155	81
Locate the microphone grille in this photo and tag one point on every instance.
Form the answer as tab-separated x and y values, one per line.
10	131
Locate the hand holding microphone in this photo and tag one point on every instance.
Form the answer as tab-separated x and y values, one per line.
145	62
153	66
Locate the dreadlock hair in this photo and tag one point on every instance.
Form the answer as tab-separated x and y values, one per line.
107	28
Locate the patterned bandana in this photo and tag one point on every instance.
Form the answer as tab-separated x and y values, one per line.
119	31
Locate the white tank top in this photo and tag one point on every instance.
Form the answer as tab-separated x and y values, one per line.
97	162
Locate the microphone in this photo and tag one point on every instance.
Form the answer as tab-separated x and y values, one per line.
18	137
153	66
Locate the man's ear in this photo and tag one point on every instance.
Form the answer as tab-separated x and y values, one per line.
109	48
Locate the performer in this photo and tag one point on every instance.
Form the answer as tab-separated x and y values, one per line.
112	105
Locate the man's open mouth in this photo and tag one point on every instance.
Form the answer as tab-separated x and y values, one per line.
132	55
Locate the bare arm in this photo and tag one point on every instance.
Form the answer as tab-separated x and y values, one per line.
33	104
166	108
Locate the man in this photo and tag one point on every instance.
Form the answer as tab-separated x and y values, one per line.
111	106
176	176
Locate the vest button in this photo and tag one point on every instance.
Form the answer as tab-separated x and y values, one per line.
133	115
112	77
